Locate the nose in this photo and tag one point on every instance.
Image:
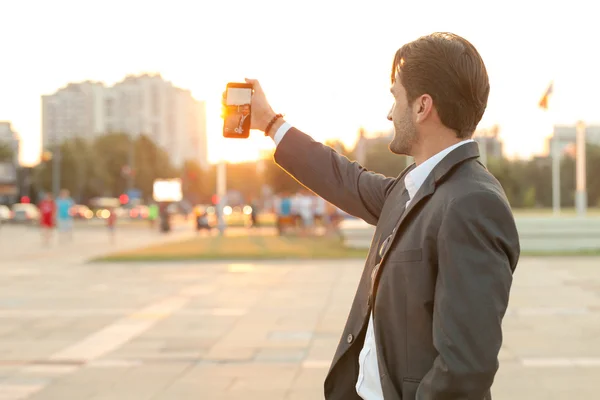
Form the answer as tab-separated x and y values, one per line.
389	116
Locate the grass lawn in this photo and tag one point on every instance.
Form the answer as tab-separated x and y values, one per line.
265	248
242	248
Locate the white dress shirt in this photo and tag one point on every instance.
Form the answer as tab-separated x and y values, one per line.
281	132
368	385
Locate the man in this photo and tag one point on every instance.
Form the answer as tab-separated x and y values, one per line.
426	319
64	218
244	121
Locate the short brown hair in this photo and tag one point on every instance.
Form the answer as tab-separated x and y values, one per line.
449	69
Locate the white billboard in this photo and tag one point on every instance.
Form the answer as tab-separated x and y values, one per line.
167	190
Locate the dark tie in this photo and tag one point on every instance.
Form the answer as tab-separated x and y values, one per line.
404	198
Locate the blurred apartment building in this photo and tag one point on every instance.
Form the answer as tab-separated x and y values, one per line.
145	104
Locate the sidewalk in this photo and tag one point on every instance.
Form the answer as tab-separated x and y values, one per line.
177	331
23	244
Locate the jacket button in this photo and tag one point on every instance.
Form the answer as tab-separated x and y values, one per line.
349	338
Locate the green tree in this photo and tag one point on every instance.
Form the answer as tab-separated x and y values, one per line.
6	153
380	159
568	180
99	168
593	166
198	185
529	199
151	163
279	179
509	174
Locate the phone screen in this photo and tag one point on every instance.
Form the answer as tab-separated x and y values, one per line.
238	111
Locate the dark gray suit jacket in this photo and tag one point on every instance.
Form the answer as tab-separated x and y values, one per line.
443	285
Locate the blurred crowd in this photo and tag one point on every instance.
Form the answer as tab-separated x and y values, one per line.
303	212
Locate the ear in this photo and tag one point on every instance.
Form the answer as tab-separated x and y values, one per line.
423	107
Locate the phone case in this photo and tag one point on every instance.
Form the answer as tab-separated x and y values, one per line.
237	114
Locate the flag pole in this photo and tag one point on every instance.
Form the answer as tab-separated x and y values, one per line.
221	194
555	152
580	174
555	174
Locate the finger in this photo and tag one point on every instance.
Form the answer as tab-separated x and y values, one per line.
224	98
254	83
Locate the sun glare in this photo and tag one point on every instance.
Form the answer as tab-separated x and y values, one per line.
230	150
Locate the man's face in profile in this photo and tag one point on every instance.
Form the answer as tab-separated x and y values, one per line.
405	131
245	110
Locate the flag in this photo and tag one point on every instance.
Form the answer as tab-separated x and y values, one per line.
544	100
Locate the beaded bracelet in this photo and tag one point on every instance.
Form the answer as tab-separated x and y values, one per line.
270	125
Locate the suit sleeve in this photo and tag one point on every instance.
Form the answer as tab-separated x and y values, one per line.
332	176
478	248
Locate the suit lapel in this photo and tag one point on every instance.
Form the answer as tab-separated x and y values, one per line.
399	207
453	159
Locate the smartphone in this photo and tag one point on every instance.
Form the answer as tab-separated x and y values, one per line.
238	111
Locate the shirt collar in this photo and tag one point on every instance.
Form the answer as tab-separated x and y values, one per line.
415	178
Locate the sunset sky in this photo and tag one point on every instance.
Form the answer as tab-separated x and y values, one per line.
325	64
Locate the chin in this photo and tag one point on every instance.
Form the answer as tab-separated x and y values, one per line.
399	149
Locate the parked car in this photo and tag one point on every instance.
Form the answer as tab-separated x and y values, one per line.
80	211
4	214
25	213
139	212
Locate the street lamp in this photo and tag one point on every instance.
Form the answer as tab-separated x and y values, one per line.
221	194
580	174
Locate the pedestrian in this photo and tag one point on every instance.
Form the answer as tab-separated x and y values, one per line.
202	222
152	214
64	215
426	319
111	224
284	213
47	209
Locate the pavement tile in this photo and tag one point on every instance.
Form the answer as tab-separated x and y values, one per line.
211	330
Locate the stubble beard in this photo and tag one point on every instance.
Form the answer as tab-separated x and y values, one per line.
405	136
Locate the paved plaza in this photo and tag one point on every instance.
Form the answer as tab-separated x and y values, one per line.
73	330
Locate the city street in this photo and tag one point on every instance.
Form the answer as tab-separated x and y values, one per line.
262	330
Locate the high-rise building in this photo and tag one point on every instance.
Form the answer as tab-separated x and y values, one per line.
75	110
145	104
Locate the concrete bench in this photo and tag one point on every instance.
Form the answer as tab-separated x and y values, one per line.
537	234
547	234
